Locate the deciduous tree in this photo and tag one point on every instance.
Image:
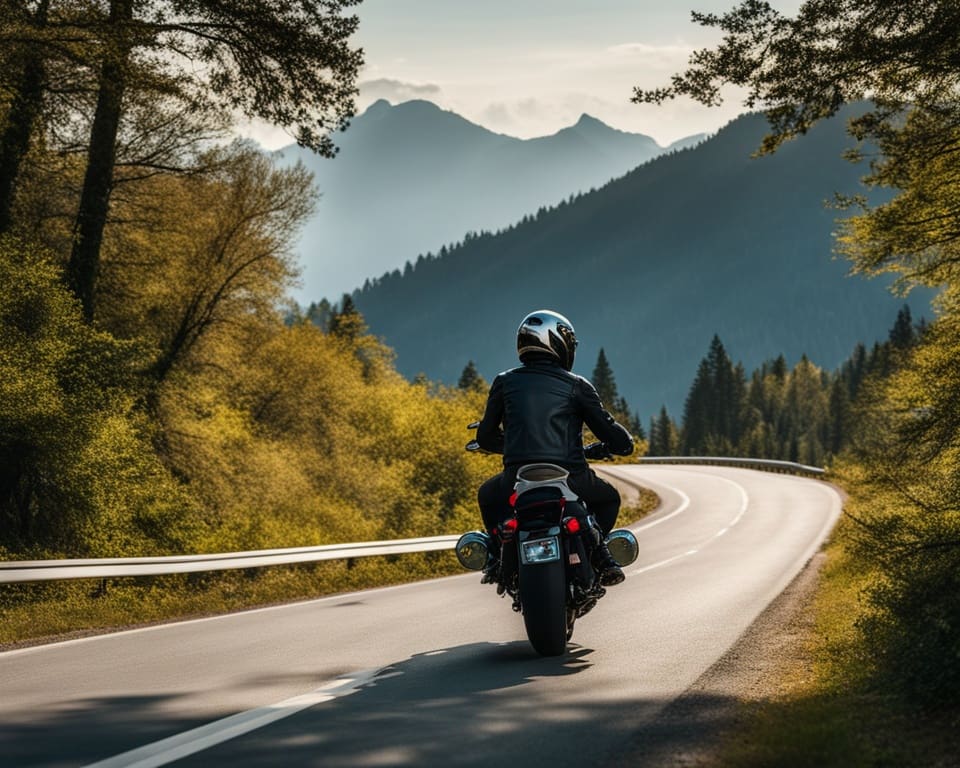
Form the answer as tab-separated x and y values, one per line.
290	64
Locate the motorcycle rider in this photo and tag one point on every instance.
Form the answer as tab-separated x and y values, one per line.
536	413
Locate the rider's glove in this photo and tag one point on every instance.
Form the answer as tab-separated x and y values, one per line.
596	451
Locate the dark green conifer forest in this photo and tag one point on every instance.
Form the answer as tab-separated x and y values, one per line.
801	414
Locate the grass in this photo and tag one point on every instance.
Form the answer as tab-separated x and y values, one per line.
50	611
827	710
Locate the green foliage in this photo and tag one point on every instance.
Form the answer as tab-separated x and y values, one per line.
77	473
210	254
346	322
196	415
804	415
908	511
283	436
899	405
902	56
804	68
137	94
822	703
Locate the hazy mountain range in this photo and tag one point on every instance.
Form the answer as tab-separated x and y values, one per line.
413	177
701	241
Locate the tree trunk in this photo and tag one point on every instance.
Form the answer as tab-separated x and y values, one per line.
16	497
24	109
84	264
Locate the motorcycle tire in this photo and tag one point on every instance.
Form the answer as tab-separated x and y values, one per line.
543	591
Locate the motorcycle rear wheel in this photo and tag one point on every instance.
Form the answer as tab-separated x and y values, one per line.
543	599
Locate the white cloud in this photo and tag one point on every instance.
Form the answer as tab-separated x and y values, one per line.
498	117
395	91
268	136
645	50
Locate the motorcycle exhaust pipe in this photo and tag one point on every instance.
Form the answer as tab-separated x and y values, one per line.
473	550
623	546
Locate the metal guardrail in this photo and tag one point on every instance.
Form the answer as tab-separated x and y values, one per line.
724	461
52	570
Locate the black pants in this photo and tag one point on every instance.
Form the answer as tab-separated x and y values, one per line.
601	498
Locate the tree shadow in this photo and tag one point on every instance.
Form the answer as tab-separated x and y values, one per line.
476	704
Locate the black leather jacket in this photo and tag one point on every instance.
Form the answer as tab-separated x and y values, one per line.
536	413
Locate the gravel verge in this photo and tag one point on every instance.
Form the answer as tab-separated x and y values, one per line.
688	730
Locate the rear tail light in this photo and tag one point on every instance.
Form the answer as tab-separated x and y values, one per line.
571	525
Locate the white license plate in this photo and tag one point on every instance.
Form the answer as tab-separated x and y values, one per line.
540	550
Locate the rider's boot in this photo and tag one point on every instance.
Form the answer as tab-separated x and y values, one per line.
610	571
491	571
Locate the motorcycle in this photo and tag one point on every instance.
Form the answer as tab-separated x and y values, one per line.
545	549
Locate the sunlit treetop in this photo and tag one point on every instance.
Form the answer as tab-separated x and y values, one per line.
804	68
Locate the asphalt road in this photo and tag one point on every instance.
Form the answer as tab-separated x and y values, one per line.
433	673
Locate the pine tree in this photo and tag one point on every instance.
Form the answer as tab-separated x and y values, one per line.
713	412
320	314
779	368
903	335
471	380
664	436
840	415
347	323
696	412
604	381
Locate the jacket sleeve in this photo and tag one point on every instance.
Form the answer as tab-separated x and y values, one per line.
490	431
601	423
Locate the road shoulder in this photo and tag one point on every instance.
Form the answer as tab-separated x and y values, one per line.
689	729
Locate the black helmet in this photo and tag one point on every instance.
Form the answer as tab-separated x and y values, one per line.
546	331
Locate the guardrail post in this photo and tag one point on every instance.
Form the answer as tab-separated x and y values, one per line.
100	591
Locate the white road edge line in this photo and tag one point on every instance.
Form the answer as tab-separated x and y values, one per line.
220	617
744	503
190	742
677	511
660	564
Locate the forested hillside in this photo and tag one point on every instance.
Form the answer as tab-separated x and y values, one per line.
411	177
703	241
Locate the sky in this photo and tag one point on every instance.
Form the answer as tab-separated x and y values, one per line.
531	67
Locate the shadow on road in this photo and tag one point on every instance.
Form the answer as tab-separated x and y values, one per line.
478	704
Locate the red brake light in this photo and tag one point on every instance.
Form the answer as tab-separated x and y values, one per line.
510	526
571	524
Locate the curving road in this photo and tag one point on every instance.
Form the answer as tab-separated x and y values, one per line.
433	673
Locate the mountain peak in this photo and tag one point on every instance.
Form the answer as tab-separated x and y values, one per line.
420	105
380	105
591	123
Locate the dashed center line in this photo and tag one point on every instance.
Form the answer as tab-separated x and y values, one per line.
744	503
